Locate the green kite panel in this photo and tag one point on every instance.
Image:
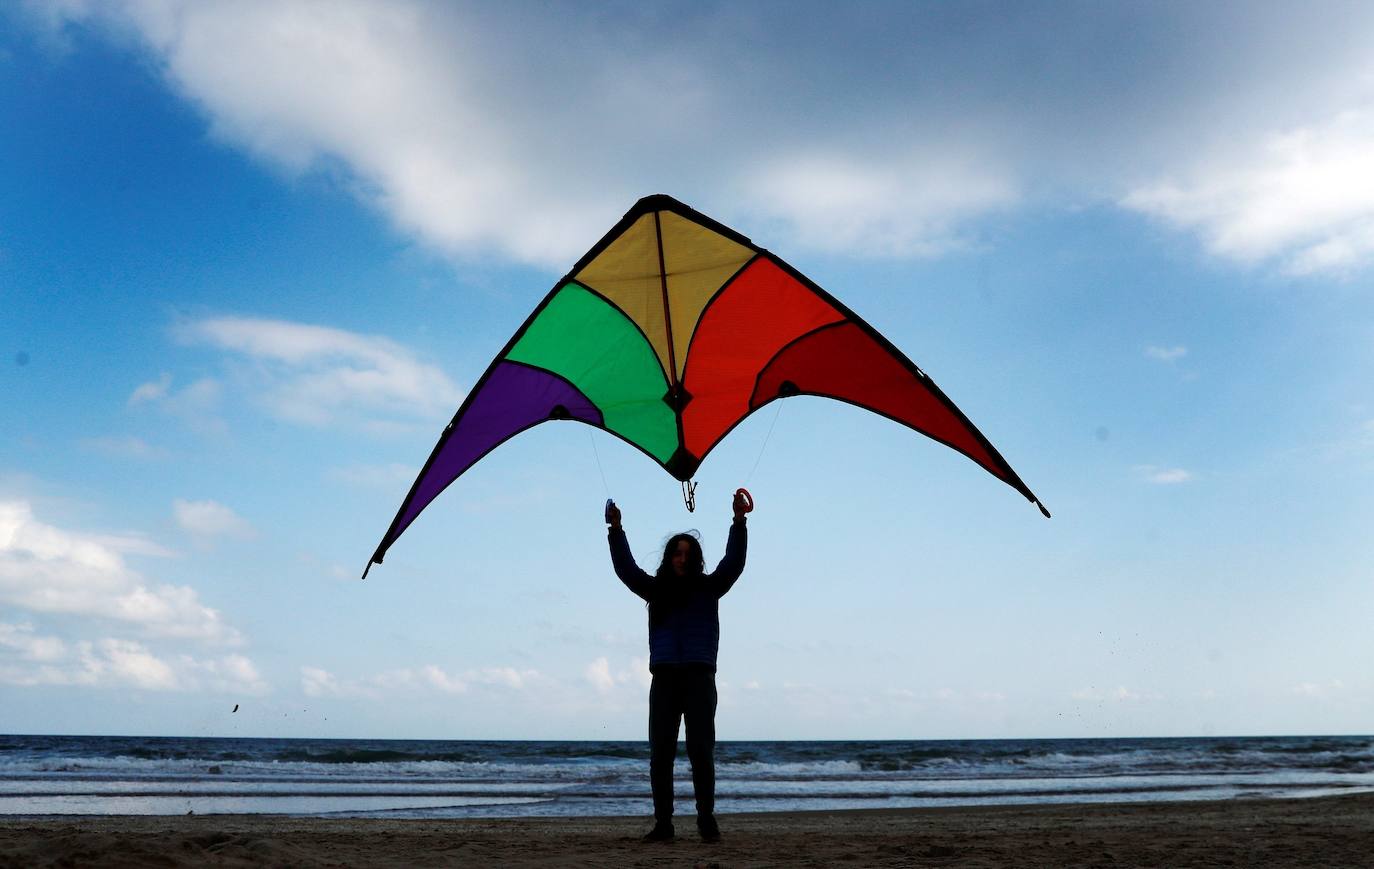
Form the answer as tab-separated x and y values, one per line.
595	347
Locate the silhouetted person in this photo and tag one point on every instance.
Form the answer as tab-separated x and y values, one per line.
684	635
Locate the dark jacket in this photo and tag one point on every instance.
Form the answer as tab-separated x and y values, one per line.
684	622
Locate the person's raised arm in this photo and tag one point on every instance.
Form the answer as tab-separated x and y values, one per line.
736	546
622	560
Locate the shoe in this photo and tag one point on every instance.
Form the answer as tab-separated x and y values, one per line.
706	826
662	832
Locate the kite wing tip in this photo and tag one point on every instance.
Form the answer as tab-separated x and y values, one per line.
1042	508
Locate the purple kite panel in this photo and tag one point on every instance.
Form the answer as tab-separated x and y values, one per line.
512	399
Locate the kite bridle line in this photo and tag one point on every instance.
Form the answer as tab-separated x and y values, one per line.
591	436
766	438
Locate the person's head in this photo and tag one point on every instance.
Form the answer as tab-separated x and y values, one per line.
682	557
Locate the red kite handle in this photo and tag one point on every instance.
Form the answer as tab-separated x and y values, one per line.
748	499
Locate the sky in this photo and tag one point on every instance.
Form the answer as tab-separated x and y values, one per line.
254	254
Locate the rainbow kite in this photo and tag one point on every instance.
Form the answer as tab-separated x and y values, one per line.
667	334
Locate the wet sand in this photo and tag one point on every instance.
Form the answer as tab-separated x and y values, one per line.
1323	832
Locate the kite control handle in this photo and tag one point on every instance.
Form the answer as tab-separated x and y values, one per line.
748	499
610	505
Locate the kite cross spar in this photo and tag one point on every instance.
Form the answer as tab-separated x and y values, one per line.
667	334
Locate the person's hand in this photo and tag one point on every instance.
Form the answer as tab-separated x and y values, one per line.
743	503
613	516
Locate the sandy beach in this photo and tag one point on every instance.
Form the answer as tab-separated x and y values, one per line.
1323	832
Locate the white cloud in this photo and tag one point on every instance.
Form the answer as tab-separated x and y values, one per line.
640	672
508	677
198	398
430	678
442	681
319	683
876	206
28	659
1303	196
124	447
1120	694
1319	690
945	695
130	662
197	404
1164	476
388	90
31	647
604	681
316	374
46	569
130	543
210	519
1354	444
229	674
1166	354
153	390
525	134
523	131
598	673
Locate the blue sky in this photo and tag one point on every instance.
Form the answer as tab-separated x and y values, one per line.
253	255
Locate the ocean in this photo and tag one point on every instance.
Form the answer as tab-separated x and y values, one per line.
79	775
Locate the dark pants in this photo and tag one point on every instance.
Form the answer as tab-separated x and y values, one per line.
679	692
